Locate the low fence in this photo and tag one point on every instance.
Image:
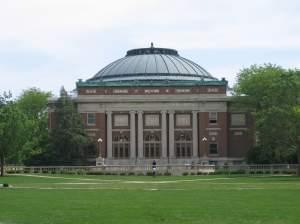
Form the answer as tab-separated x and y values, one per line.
160	170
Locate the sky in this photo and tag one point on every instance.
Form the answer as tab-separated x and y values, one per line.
53	43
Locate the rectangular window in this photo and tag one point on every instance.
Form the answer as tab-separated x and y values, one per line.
183	120
213	148
152	120
91	119
213	117
121	120
238	119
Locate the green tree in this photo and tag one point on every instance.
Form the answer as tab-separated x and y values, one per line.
68	139
11	129
271	93
33	105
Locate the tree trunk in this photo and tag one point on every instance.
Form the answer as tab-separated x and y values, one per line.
2	164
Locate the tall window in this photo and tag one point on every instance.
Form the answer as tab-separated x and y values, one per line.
152	145
183	144
120	146
213	117
91	119
213	149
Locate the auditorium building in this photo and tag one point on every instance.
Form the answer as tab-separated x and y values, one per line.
154	104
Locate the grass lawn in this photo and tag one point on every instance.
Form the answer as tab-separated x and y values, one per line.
74	199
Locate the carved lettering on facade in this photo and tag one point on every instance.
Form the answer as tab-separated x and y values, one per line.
149	91
182	90
120	91
212	90
90	91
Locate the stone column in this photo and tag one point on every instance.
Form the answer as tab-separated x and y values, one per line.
140	135
195	133
171	135
109	134
163	134
132	134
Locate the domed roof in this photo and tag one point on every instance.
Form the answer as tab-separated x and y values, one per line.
152	64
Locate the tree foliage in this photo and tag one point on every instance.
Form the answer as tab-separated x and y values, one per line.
68	139
272	94
11	129
33	105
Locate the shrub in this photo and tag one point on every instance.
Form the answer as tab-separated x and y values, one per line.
5	185
289	172
140	174
131	174
185	173
149	173
122	174
238	172
94	173
167	174
81	172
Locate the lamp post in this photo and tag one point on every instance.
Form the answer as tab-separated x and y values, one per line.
99	142
99	150
204	140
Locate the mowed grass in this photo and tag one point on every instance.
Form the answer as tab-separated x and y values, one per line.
77	199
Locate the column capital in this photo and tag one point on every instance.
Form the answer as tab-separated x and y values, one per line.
140	112
195	111
108	112
132	112
171	111
163	111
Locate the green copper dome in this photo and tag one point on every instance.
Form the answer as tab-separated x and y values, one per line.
158	66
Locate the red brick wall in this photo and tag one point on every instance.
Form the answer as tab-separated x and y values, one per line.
220	128
98	130
241	140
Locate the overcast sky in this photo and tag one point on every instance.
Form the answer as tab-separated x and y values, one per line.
47	44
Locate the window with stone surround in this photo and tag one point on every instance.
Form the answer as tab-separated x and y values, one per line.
183	144
120	145
152	145
213	149
213	117
152	120
91	119
121	120
183	120
238	119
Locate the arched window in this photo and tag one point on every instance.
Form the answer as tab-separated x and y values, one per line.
120	145
152	145
183	144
